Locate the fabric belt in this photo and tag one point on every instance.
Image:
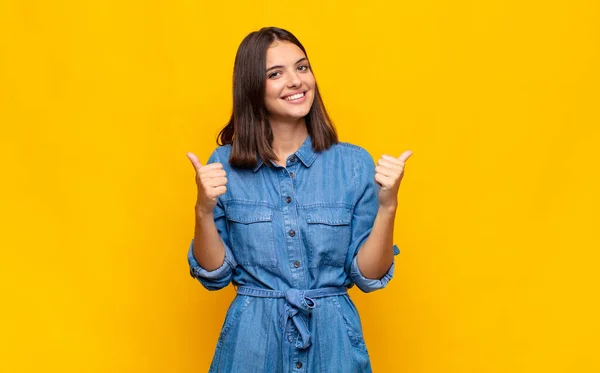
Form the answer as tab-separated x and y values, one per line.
298	306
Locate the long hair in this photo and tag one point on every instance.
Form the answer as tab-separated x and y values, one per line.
248	130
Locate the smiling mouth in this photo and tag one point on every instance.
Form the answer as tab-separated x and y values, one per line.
294	97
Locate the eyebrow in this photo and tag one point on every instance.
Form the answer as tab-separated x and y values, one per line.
280	66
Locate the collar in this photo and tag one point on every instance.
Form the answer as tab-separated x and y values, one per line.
305	154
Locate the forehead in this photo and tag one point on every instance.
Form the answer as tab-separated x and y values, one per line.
283	53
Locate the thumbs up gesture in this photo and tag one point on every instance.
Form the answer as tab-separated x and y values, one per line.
388	174
210	180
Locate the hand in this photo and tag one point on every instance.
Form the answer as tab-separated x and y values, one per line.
388	174
210	180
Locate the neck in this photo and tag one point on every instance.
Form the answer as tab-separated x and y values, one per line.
288	136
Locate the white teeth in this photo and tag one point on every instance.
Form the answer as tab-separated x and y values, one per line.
295	97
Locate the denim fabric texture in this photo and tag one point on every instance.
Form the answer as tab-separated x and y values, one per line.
291	236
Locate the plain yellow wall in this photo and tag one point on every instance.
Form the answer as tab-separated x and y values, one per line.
498	223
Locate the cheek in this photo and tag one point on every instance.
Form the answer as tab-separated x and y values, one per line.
310	81
272	90
271	97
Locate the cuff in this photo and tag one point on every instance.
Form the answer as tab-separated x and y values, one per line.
367	284
196	271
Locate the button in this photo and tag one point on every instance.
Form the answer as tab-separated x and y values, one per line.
296	264
298	364
292	159
291	174
288	199
292	233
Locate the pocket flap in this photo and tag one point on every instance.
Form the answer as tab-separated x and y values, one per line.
247	214
329	215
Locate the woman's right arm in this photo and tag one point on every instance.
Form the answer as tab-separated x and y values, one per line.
211	261
208	247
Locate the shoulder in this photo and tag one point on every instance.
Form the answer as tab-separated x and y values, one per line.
352	152
352	160
220	154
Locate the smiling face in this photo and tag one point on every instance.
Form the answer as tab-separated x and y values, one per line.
290	85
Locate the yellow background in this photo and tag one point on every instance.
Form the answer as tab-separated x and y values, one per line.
498	223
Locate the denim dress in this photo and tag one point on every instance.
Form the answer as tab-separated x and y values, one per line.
291	235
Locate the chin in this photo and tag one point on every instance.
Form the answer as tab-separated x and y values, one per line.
300	115
301	112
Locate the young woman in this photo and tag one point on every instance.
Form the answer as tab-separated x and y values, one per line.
293	218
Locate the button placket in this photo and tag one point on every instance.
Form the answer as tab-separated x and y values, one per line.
290	224
298	360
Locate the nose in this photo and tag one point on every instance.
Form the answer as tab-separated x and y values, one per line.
294	80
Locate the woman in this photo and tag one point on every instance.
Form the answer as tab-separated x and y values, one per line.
293	218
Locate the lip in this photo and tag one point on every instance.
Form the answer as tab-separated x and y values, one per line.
298	101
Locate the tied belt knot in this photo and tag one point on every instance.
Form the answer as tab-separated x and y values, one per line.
299	304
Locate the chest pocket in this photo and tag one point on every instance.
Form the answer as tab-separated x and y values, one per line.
251	234
328	235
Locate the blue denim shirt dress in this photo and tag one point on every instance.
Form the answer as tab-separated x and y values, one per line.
291	236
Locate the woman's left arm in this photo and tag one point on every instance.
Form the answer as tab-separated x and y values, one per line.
375	257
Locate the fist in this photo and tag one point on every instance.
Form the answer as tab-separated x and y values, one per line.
388	174
211	181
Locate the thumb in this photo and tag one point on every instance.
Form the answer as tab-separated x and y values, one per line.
404	156
195	162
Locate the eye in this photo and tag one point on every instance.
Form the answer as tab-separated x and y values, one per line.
303	67
274	74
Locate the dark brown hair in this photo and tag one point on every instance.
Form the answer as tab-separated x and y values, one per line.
248	130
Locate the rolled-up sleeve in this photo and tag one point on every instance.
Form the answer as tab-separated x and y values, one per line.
220	277
366	284
363	218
